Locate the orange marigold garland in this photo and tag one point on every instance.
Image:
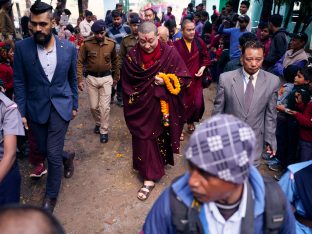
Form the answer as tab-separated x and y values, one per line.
174	88
165	111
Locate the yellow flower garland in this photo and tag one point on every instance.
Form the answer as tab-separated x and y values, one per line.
174	78
174	88
165	110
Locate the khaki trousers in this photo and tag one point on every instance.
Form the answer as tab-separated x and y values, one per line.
99	90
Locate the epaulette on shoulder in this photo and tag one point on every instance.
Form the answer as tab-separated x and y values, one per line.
110	39
129	35
88	39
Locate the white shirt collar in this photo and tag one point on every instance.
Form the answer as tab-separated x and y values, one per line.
237	216
248	75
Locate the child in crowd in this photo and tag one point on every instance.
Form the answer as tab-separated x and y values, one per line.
287	130
6	71
303	104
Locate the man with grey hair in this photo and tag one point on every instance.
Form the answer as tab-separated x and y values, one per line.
163	34
154	141
222	192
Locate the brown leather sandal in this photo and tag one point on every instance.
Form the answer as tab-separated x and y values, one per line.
146	191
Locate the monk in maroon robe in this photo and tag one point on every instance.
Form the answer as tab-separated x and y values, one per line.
153	144
195	55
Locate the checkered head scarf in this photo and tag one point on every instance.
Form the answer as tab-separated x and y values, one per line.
223	146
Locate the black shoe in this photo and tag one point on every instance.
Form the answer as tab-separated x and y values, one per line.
97	129
49	204
69	165
103	138
120	103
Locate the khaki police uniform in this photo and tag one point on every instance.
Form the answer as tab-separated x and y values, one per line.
101	61
6	24
10	124
126	44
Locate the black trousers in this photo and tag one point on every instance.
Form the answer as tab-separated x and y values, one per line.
50	139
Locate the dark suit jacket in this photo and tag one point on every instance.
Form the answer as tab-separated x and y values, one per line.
34	93
262	114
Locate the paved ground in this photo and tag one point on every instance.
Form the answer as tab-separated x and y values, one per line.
101	196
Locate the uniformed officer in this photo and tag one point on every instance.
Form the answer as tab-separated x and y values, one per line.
130	40
10	127
7	28
99	55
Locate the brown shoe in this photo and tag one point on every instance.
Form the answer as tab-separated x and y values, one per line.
69	165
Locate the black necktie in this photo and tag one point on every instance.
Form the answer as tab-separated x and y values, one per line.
249	93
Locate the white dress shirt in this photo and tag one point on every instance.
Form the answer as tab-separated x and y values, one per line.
246	79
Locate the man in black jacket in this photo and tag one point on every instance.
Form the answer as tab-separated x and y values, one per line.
279	42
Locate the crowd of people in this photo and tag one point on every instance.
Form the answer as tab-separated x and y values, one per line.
156	70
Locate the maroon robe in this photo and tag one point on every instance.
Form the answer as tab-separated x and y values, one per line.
194	99
153	144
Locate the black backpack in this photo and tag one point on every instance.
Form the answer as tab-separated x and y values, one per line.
186	219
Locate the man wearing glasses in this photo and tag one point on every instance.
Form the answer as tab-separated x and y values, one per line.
99	55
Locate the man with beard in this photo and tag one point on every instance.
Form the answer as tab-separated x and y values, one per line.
222	192
45	87
153	143
99	55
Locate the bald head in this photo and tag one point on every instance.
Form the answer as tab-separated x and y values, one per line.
163	33
148	39
147	27
28	220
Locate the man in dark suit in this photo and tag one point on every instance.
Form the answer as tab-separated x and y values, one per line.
250	94
45	86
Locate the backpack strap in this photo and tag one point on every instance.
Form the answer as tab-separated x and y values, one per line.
275	206
185	219
247	225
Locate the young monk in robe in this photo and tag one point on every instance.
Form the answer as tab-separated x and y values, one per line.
153	143
194	53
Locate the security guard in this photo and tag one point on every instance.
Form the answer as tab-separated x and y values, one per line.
130	40
7	28
99	55
10	127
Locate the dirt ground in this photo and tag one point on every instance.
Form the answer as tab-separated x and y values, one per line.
101	196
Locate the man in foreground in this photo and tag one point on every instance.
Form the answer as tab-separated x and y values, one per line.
154	141
45	88
222	192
